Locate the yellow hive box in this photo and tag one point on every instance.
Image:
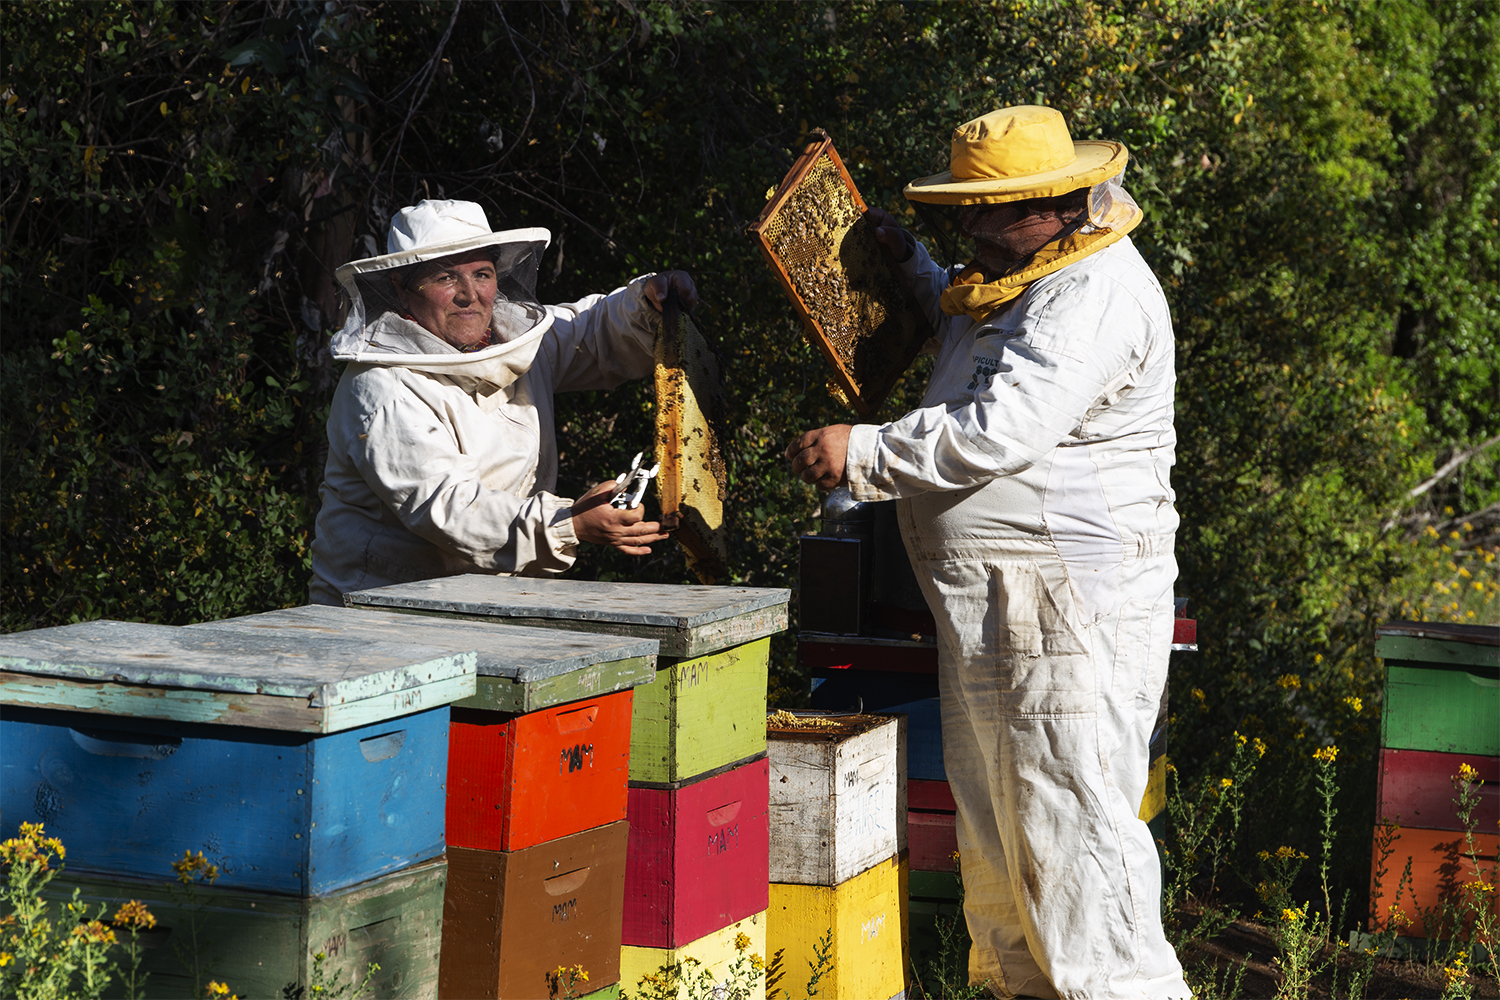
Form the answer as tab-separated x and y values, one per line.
867	918
715	954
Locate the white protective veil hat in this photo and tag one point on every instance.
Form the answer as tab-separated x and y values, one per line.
376	332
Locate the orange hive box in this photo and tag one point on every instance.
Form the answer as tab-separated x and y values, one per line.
856	304
1440	867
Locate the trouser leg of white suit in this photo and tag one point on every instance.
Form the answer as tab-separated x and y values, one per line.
1046	726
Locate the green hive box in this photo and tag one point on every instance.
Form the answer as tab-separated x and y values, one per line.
260	944
701	714
1442	687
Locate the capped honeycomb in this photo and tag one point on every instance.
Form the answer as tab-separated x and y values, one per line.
690	415
856	306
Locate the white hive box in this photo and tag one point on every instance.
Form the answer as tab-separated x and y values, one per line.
838	795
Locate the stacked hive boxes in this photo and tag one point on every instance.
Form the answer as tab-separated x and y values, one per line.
537	766
1441	712
696	870
838	839
308	773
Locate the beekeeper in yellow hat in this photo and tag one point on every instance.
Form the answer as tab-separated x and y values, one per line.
1033	492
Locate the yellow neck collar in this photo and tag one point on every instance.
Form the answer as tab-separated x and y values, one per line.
971	295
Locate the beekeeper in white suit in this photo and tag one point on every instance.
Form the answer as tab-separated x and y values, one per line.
442	457
1036	506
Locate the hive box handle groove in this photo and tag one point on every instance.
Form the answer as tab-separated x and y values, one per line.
724	814
112	743
558	885
579	718
382	747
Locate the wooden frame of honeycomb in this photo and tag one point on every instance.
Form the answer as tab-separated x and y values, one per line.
855	303
690	413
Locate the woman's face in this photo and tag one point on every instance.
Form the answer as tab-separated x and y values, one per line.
453	297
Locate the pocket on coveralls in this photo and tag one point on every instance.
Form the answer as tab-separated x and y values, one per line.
1044	663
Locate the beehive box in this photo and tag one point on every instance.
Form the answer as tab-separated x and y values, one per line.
701	715
1416	789
838	795
1439	868
276	812
334	777
699	856
321	684
933	907
538	752
931	826
857	306
264	944
866	916
1442	687
512	917
519	780
912	695
706	708
718	956
687	621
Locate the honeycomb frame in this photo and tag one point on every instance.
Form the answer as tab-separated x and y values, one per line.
856	305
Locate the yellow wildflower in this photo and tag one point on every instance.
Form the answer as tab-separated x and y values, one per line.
1260	747
1327	754
741	941
1289	681
1198	693
1467	772
134	914
1225	782
93	932
1458	971
1355	703
6	958
1291	915
757	963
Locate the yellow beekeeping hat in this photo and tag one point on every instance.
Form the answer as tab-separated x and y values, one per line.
1017	153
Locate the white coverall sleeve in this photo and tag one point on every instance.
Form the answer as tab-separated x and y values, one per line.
601	341
927	283
411	462
1048	374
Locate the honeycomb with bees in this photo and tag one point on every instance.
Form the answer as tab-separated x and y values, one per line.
856	306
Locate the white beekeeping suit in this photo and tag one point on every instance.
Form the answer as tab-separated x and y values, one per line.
443	462
1036	506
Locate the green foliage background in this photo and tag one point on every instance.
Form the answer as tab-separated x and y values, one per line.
1319	181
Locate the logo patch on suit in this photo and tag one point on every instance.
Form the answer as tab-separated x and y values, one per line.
984	370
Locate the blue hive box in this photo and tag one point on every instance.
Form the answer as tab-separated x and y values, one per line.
912	695
296	767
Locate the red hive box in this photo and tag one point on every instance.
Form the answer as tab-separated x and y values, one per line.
930	826
1416	789
700	856
519	780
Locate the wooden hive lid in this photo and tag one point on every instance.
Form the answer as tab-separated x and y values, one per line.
687	620
515	652
310	684
1440	643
